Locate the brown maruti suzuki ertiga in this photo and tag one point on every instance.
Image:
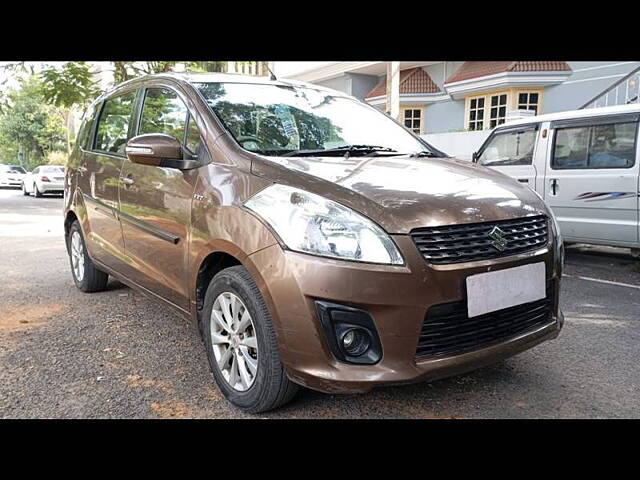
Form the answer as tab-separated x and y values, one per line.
313	240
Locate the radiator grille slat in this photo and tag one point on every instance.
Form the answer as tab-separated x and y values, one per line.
471	242
447	330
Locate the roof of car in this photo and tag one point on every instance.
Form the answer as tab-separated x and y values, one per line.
227	78
587	112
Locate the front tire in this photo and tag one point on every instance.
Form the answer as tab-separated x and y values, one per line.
241	344
24	190
85	275
37	193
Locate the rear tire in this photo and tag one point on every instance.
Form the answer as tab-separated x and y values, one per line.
37	193
269	386
85	274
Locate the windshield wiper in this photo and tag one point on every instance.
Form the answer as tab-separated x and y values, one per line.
346	149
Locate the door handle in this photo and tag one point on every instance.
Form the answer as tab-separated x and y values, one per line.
554	186
523	180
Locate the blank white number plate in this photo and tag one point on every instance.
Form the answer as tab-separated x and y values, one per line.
491	291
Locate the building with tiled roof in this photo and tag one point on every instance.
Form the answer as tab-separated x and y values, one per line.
438	97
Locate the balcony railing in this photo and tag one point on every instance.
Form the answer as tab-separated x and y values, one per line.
624	91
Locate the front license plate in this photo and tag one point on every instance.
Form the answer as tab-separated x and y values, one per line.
491	291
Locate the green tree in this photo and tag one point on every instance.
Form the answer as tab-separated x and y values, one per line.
70	85
30	125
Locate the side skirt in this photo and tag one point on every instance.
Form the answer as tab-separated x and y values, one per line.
146	292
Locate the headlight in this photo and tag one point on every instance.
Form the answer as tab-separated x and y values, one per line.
312	224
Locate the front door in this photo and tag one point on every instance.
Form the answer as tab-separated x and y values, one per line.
155	203
592	180
98	179
511	151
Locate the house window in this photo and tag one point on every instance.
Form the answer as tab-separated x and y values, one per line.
413	119
498	112
476	113
528	101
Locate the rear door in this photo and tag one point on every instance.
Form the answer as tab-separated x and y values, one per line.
592	179
98	179
511	150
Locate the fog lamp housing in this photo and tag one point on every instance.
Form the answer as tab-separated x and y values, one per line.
350	332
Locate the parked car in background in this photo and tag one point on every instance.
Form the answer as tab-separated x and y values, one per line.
44	179
11	175
312	239
584	163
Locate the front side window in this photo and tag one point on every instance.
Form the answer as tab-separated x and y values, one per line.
293	120
412	118
192	141
509	148
597	146
113	126
163	112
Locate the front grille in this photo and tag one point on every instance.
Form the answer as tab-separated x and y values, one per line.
447	330
471	241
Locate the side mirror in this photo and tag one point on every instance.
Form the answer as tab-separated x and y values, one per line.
474	157
158	150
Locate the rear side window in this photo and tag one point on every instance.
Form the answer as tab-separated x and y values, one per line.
85	129
509	148
163	112
610	145
113	126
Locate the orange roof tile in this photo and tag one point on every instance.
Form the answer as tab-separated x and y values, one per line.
412	80
470	70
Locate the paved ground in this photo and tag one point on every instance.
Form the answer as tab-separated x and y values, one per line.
116	354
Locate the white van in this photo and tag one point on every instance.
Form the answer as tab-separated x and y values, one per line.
584	163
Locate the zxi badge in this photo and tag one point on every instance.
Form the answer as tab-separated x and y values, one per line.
497	239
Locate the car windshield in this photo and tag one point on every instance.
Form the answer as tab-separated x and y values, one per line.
54	169
14	169
291	120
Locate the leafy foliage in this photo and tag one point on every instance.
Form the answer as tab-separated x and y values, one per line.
71	85
30	125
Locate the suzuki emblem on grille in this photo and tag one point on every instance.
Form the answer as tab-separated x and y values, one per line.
497	239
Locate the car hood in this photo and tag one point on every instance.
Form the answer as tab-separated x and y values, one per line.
403	193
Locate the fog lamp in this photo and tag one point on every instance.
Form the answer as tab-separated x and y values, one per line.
355	341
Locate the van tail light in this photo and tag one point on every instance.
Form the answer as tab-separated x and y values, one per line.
44	178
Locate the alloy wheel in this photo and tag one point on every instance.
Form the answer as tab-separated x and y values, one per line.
77	256
234	341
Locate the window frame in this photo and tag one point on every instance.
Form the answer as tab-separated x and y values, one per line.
510	129
590	123
469	109
410	108
488	105
511	104
94	132
528	103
